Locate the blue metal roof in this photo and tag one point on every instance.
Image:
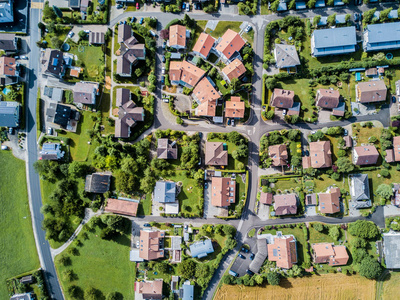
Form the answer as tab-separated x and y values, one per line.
301	5
338	3
340	19
334	41
164	192
394	14
320	3
282	6
202	248
188	291
9	114
323	21
382	36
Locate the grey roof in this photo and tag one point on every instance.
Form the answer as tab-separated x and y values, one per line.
51	151
323	21
9	114
167	149
340	19
187	292
333	41
7	42
382	36
165	192
85	92
96	37
176	242
359	187
175	55
74	4
394	14
53	93
391	250
97	183
26	296
201	248
286	56
282	6
261	255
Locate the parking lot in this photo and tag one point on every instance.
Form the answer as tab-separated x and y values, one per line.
241	265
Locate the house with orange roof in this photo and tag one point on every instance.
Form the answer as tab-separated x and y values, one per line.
203	45
334	255
229	45
206	96
266	198
234	108
235	69
396	148
184	73
122	207
320	155
9	70
329	202
223	191
177	36
151	244
283	251
285	204
151	290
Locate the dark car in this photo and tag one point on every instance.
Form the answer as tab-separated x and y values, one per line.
394	99
307	153
252	256
200	134
242	256
146	225
251	273
133	19
162	79
356	17
163	59
357	26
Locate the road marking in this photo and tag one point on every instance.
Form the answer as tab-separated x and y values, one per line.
249	132
38	5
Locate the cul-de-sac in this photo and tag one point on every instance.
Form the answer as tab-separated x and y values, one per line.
187	150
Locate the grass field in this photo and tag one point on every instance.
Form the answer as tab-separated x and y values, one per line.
391	285
223	26
103	265
327	287
17	244
93	59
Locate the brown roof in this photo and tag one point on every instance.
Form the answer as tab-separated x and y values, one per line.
371	91
204	44
186	72
122	207
371	72
396	148
150	289
167	149
215	154
207	108
234	108
282	98
74	73
85	92
283	251
234	70
223	191
8	66
327	98
278	154
230	42
150	244
266	198
365	155
320	154
349	141
122	96
389	155
177	36
96	37
329	253
329	203
306	162
206	94
285	204
124	32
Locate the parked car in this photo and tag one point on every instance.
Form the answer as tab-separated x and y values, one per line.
50	131
185	227
206	185
233	122
141	21
16	57
165	100
24	57
86	31
307	153
133	19
119	6
164	44
162	79
394	99
71	34
248	28
357	26
137	5
356	17
137	244
163	70
251	273
252	256
284	112
200	134
163	59
153	33
197	5
345	132
187	7
242	256
183	5
229	122
233	273
146	225
11	130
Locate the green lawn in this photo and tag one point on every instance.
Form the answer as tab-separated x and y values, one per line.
105	112
322	237
288	184
264	9
62	34
144	208
324	181
92	58
17	247
223	26
101	264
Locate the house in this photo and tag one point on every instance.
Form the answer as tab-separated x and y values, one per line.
327	98
175	250
285	204
128	113
384	36
283	251
266	198
365	155
229	45
74	4
167	149
51	151
286	56
9	114
186	292
149	290
215	154
53	63
329	202
282	98
124	32
177	36
340	110
125	207
75	71
371	72
97	38
391	250
175	284
62	116
320	155
223	191
84	6
359	189
27	279
234	108
151	244
201	249
8	43
389	158
348	141
294	110
6	11
85	92
235	69
98	183
396	148
206	96
54	94
278	154
334	255
25	296
184	73
311	199
165	191
203	45
333	41
371	91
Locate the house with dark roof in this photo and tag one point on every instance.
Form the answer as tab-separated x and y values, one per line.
52	62
128	113
327	98
278	154
329	202
320	155
98	183
261	255
283	251
286	56
8	43
62	116
282	98
85	92
97	38
165	191
167	149
359	190
266	198
122	206
203	45
216	155
384	36
74	4
201	249
151	244
365	155
371	91
223	191
149	290
334	255
285	204
9	114
51	151
333	41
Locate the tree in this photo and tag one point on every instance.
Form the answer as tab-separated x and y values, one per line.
270	83
385	173
318	227
270	115
359	254
57	11
92	294
368	15
370	268
344	165
259	279
187	269
311	3
331	19
56	42
229	230
273	278
230	243
202	271
383	16
228	279
162	267
318	135
188	21
114	296
316	20
234	137
385	191
82	35
179	121
77	169
164	34
334	232
234	85
364	229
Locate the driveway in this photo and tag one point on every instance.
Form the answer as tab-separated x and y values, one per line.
310	211
391	210
183	103
209	210
263	212
324	116
241	265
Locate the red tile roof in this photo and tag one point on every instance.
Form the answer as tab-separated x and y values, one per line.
234	70
215	154
285	204
329	203
150	289
223	191
283	251
365	155
186	72
327	98
335	255
8	66
266	198
234	108
371	91
150	245
320	154
396	148
206	94
122	207
177	35
230	42
278	154
204	44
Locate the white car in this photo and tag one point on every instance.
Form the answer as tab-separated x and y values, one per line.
24	57
248	28
284	112
137	244
187	7
163	70
165	100
71	34
87	31
233	122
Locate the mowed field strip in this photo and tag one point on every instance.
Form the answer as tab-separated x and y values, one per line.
327	286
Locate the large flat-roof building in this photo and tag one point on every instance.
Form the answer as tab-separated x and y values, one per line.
385	36
333	41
